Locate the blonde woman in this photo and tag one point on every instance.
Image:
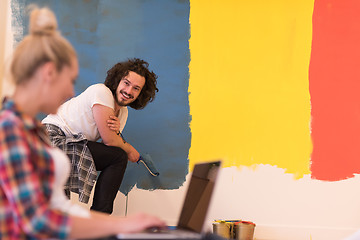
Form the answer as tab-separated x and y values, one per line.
33	205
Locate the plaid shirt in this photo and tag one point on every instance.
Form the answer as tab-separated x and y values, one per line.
26	178
83	173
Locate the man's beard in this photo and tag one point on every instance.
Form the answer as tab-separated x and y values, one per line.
121	103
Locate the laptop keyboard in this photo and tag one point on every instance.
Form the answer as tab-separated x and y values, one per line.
177	232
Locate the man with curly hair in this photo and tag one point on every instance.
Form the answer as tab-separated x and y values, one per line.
101	112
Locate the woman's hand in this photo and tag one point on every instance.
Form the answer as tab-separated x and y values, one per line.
101	224
139	222
114	124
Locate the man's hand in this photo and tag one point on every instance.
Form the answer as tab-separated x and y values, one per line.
108	126
114	124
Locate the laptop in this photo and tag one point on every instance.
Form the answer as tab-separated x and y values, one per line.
195	207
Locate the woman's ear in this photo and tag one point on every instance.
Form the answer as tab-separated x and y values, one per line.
48	71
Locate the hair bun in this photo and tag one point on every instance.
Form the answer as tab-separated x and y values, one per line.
42	22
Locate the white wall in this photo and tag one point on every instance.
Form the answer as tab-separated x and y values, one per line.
6	46
3	22
281	207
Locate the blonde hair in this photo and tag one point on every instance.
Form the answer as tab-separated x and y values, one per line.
43	44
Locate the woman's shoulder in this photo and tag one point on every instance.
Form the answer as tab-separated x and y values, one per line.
9	119
13	127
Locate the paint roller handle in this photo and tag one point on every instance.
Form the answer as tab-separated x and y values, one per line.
140	158
149	165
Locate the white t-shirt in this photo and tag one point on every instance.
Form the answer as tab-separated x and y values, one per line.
75	116
58	198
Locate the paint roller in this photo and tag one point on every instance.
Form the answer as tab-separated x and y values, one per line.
149	164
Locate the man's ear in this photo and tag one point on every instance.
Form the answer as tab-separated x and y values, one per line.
48	71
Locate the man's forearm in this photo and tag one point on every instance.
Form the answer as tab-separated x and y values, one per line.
118	141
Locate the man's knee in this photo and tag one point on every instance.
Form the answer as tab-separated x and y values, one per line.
121	154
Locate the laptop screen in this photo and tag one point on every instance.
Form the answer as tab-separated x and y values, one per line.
198	196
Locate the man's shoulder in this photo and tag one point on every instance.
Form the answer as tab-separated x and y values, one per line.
97	94
98	87
98	90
